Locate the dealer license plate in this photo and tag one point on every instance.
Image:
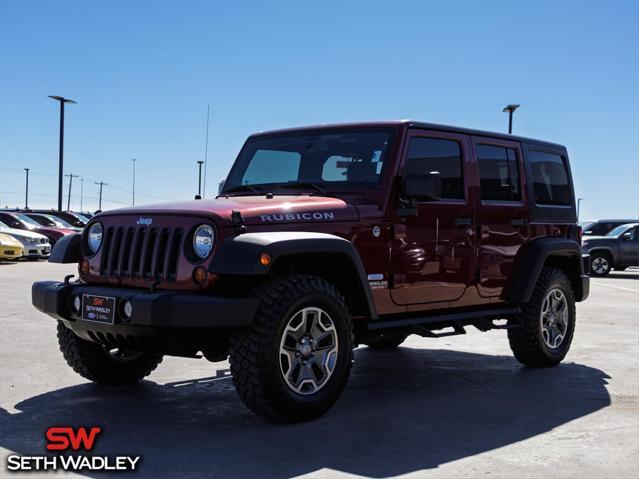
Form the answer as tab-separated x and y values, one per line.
100	309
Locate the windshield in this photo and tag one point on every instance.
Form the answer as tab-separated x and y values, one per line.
340	159
617	231
28	222
57	222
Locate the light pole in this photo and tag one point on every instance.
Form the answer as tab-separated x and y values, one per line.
81	194
510	109
71	176
26	191
199	181
101	183
579	200
62	101
133	200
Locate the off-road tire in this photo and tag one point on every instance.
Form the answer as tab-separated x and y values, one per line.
603	255
93	362
254	354
385	343
526	341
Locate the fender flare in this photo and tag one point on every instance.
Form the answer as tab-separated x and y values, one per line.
240	255
67	249
535	257
606	249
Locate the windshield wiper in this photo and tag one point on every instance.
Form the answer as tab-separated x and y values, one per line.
238	188
305	185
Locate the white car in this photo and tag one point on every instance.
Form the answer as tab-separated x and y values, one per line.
35	245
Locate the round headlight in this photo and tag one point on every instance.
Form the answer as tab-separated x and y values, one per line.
94	237
203	240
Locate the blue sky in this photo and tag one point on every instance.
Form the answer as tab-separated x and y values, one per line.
143	74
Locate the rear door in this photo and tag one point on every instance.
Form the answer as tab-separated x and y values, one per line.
433	252
502	213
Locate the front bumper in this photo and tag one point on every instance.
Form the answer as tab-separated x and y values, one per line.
37	251
164	320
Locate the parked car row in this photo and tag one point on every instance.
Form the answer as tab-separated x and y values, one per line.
611	244
33	233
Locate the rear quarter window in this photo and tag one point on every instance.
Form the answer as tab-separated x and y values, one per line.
550	178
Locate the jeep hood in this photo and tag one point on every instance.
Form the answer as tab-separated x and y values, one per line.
255	210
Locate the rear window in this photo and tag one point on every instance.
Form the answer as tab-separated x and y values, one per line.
498	173
550	179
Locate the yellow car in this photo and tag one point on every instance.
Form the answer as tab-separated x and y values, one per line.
10	248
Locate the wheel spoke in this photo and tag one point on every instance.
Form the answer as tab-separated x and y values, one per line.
554	318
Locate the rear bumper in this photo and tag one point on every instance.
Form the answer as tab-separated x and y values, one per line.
167	318
585	278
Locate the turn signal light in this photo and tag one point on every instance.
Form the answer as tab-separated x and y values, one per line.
199	275
265	259
84	267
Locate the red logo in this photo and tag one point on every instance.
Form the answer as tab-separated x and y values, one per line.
63	438
98	301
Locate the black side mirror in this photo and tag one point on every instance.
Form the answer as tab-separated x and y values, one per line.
423	186
627	236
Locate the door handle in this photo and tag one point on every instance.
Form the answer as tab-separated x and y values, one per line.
518	222
462	221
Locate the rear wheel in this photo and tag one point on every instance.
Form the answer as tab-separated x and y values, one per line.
600	264
97	363
547	322
293	362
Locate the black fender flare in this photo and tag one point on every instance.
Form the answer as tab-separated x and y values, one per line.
536	255
67	249
606	249
240	255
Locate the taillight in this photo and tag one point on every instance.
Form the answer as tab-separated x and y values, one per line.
575	232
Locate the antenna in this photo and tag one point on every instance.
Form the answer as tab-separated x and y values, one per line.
206	146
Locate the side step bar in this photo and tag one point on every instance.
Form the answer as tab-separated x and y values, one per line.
424	325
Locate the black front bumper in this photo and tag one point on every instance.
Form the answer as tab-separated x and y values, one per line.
163	320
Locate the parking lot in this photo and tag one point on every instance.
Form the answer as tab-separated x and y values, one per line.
451	407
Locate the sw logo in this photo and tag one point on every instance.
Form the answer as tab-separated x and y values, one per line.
69	439
63	438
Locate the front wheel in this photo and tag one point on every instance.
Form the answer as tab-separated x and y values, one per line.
546	323
97	363
600	264
293	362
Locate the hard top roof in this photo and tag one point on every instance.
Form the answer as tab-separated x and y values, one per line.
411	124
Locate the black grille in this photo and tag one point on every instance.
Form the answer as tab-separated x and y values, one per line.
144	253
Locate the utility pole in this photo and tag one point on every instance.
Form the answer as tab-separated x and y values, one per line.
62	101
71	176
81	194
101	183
510	109
206	145
133	200
199	181
26	193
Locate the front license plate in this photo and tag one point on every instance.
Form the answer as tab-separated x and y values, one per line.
100	309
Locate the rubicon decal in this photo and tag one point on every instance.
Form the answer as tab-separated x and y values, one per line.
68	439
317	216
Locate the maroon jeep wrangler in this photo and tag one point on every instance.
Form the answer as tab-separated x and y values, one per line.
324	238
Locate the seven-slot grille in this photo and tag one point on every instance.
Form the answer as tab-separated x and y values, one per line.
141	253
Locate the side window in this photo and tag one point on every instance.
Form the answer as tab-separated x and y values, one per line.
272	166
498	173
550	179
444	156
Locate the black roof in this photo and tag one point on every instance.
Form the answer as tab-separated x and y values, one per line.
416	124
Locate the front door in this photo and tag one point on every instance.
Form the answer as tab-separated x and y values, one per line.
629	247
433	253
502	214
